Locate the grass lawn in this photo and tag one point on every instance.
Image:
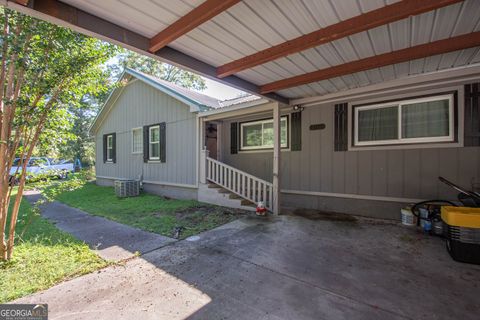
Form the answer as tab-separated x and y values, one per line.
149	212
43	257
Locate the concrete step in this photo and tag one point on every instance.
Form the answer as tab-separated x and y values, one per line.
221	197
248	203
214	186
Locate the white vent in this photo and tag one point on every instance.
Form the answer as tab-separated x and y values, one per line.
127	188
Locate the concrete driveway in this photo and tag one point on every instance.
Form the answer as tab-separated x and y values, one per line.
280	268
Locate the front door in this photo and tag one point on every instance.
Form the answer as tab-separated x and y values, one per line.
211	139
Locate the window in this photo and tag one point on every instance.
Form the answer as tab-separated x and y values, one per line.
38	162
154	143
137	140
110	147
422	120
259	134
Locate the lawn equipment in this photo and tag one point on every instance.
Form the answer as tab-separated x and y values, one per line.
459	224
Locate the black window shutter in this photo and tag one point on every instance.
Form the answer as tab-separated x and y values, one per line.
114	147
472	115
341	127
296	131
234	138
145	143
104	148
163	142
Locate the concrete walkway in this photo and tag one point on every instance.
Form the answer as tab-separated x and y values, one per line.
109	239
280	268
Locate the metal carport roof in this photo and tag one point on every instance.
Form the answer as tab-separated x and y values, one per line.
214	34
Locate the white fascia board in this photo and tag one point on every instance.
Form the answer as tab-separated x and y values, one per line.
266	107
234	107
448	76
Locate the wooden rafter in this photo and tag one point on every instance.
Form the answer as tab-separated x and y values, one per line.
61	13
363	22
420	51
190	21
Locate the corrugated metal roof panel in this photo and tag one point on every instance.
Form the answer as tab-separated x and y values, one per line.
476	58
468	19
465	57
256	20
119	13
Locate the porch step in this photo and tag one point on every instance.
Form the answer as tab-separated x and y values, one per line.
245	202
222	197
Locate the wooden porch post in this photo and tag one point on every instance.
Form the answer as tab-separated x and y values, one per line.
203	152
276	158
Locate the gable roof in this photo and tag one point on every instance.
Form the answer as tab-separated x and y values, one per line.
201	101
198	102
239	100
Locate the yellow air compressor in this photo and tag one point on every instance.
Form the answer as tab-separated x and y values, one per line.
462	226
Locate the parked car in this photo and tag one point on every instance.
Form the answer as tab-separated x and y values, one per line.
43	166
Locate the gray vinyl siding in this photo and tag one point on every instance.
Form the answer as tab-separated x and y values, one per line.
139	105
404	172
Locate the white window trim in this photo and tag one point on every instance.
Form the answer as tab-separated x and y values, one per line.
263	147
109	146
133	141
150	142
400	140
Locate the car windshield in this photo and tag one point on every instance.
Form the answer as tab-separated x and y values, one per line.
16	162
35	162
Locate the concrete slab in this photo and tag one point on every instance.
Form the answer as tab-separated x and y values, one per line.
280	268
111	240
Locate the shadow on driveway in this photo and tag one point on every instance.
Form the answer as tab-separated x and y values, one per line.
280	268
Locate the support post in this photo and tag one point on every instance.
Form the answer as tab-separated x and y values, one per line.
203	153
203	165
276	158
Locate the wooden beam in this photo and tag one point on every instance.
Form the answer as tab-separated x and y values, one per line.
65	15
421	51
363	22
190	21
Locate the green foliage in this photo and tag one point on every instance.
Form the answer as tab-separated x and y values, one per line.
62	70
148	212
51	188
43	257
46	72
187	79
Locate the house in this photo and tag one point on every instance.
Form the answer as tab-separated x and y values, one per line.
369	101
367	151
148	130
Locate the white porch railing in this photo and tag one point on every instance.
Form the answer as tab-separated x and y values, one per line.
239	182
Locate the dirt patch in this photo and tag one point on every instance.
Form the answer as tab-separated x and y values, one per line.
203	211
312	214
193	220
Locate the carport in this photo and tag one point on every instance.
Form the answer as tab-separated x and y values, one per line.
282	268
301	53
